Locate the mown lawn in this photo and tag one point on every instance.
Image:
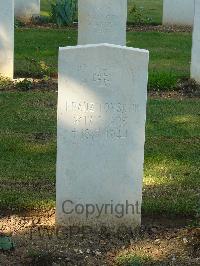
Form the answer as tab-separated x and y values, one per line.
149	10
45	7
28	123
36	53
28	153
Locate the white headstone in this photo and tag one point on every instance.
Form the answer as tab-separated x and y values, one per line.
6	38
26	9
101	132
102	21
178	12
195	62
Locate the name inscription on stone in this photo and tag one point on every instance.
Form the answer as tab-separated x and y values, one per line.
101	23
91	121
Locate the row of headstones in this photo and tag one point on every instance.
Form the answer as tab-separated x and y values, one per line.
101	116
102	28
175	12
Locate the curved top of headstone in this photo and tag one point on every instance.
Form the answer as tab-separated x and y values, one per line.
104	45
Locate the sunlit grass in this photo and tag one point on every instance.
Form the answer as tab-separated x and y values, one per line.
36	53
28	153
132	259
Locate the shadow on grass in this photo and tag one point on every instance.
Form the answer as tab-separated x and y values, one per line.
39	242
28	154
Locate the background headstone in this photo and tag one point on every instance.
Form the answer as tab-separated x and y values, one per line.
6	38
102	21
178	12
26	9
195	62
101	132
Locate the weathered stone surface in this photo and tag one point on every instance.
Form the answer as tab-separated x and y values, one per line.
195	62
6	38
102	21
101	132
178	12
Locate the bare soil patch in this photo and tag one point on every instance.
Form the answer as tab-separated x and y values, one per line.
38	242
130	27
159	28
185	88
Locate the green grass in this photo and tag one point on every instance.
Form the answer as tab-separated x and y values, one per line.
150	9
28	153
132	260
28	122
36	53
45	6
171	157
36	50
27	148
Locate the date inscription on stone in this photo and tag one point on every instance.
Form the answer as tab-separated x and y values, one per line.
91	121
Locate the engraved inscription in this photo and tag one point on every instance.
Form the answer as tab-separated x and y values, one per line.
101	23
91	121
101	76
90	107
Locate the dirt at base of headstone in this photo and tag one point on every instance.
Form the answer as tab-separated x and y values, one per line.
186	88
158	28
164	241
28	84
130	27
